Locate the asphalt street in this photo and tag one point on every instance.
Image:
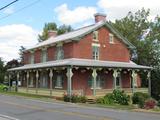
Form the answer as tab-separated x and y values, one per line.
18	108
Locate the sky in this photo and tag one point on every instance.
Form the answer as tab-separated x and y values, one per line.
21	22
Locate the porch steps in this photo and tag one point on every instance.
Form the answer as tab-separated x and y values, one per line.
91	100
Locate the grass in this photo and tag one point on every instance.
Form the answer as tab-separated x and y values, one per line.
24	94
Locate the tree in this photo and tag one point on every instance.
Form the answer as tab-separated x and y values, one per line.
53	27
64	29
2	70
21	50
145	35
47	27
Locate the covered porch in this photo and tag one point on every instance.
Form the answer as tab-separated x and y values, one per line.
80	76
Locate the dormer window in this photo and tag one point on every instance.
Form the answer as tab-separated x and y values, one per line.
95	35
111	38
43	56
59	52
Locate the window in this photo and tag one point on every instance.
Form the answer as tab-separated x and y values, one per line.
111	38
118	80
95	52
59	53
59	82
43	56
32	58
95	35
99	82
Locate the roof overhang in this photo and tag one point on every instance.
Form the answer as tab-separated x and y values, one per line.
82	63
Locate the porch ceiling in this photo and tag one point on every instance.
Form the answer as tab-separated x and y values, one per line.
81	62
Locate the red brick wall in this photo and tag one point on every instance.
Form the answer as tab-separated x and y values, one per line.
126	79
83	49
110	52
51	53
26	57
68	50
37	56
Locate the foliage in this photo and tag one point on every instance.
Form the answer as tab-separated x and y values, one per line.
155	81
117	97
150	104
2	70
53	27
74	98
158	103
21	50
140	98
144	34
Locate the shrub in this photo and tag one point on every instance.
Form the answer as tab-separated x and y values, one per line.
74	98
82	99
158	103
140	98
66	98
118	97
150	104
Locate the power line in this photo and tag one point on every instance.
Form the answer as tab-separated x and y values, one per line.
8	4
19	10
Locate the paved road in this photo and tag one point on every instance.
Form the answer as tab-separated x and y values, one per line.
27	109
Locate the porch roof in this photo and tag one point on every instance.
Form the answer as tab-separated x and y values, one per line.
80	63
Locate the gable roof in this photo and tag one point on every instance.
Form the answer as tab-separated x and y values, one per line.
76	35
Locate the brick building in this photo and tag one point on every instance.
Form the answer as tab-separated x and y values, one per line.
92	61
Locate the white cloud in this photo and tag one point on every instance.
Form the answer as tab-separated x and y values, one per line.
9	10
12	37
116	9
78	15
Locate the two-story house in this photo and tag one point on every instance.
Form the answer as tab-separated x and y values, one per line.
91	60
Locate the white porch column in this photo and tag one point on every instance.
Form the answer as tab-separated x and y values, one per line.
37	78
134	75
94	74
115	74
149	82
27	80
50	77
69	80
17	82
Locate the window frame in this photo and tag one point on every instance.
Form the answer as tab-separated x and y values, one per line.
95	51
111	38
95	36
59	52
44	56
60	80
32	58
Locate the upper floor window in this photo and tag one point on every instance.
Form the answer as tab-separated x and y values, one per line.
111	38
43	56
95	35
32	58
59	52
95	52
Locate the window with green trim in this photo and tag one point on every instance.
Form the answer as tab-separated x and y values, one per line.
59	53
59	81
99	81
32	58
95	52
95	35
43	56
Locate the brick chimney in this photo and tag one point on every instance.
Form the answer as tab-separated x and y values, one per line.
52	33
99	17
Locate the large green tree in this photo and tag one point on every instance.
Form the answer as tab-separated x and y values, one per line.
2	70
53	27
145	35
